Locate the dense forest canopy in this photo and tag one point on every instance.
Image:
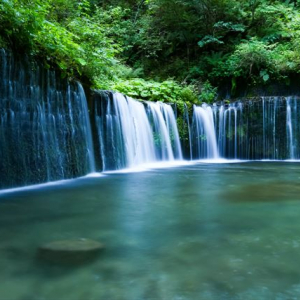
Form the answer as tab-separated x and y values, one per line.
159	49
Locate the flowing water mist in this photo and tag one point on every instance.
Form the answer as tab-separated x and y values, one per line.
265	128
163	121
132	133
44	126
204	135
46	135
290	139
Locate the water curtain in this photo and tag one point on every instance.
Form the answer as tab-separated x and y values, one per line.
265	128
45	130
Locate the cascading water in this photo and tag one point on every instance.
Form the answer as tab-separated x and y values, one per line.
46	135
227	118
45	131
290	140
165	131
186	124
204	135
131	133
258	129
124	133
44	126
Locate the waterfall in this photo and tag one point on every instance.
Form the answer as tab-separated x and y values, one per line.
165	131
186	119
85	119
46	133
131	133
229	127
204	135
265	128
44	126
290	140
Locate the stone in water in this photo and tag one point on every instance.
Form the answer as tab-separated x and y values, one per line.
70	251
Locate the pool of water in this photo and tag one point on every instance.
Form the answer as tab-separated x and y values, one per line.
203	231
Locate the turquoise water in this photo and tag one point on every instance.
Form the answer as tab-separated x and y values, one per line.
203	231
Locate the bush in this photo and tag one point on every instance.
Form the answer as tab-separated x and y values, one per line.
208	93
166	91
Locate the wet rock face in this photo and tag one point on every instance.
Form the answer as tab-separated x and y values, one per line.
70	251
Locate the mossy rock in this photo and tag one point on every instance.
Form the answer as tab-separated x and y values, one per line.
70	251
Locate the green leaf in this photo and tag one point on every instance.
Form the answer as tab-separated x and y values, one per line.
266	77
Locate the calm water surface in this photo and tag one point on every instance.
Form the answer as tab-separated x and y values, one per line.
205	231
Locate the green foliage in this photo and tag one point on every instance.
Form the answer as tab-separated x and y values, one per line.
220	30
183	129
80	45
209	39
21	22
119	44
250	57
208	93
166	91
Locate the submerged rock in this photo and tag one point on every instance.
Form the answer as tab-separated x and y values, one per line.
70	251
265	191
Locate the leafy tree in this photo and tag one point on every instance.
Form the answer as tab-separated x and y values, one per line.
152	46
